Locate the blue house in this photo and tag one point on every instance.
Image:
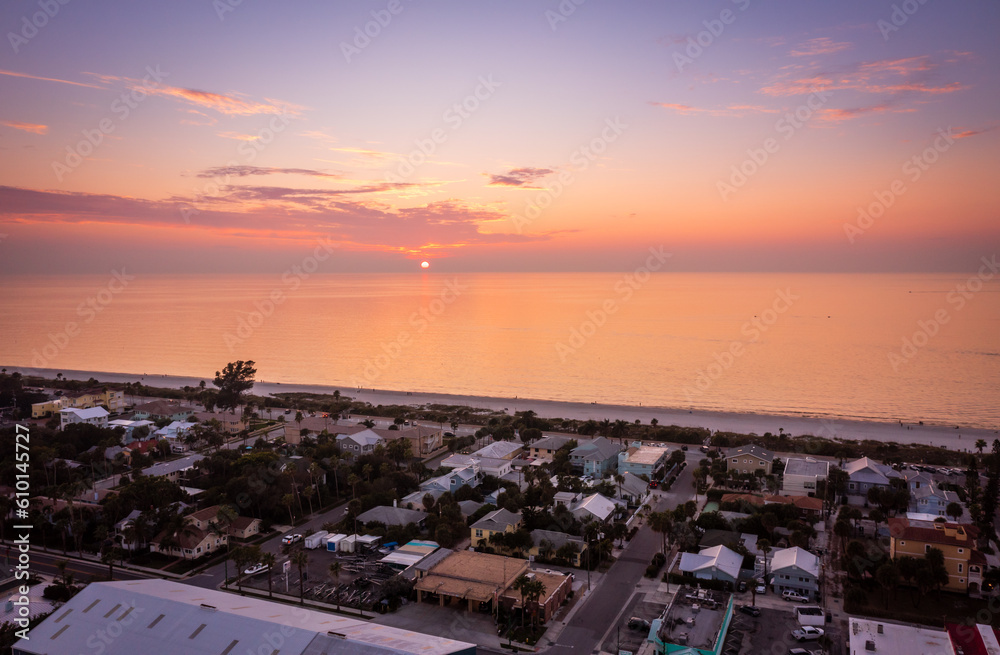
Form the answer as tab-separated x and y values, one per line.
596	457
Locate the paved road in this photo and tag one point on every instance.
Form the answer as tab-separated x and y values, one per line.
46	563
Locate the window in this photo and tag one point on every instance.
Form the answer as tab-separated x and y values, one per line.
960	568
902	543
961	550
479	533
927	548
736	460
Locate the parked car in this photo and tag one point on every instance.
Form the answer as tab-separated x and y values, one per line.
761	588
741	586
289	539
653	484
684	448
255	569
793	596
807	632
704	449
636	623
752	610
799	651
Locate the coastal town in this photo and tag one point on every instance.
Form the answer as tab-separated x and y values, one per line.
214	519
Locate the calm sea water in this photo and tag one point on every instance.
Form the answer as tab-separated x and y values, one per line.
912	347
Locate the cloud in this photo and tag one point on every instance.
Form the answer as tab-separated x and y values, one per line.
367	152
243	171
229	104
840	115
732	111
274	212
48	79
886	76
819	46
33	128
970	133
519	177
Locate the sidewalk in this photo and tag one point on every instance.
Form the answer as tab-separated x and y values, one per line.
565	614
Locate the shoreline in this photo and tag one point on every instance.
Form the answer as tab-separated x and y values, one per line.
961	439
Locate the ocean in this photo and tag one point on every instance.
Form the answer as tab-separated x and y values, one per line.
867	346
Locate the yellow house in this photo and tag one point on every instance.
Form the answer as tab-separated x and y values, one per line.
111	399
500	520
47	408
965	564
749	458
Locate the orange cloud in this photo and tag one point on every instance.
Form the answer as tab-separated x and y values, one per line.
883	76
734	111
224	104
819	46
47	79
969	133
26	127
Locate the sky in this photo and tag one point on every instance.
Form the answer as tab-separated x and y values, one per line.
226	136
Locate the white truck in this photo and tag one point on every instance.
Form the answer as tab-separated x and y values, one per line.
316	539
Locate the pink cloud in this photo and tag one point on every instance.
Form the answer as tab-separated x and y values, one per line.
733	111
33	128
819	46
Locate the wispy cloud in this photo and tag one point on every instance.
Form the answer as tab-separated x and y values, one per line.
965	134
519	177
840	115
48	79
819	46
732	111
886	76
238	136
229	104
244	171
33	128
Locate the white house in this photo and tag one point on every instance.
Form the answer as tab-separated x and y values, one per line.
715	563
801	475
93	416
359	443
593	507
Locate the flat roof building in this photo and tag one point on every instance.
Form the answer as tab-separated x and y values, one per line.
875	636
156	617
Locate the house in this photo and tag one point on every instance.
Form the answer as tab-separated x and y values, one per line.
795	569
120	534
632	489
643	460
162	409
359	443
415	500
965	564
174	431
556	590
596	457
749	458
231	422
546	447
931	499
714	537
132	429
469	507
423	440
801	475
495	466
189	543
93	416
807	505
694	623
549	544
162	616
172	470
498	521
110	399
467	476
47	408
714	563
864	474
594	507
500	450
887	638
244	527
393	516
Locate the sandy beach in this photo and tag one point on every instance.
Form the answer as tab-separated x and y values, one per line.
958	439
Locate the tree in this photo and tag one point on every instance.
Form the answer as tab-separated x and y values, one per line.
954	510
888	578
108	556
335	573
300	559
268	560
242	558
764	546
663	523
980	444
877	517
522	585
234	381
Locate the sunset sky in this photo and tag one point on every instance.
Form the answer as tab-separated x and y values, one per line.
192	137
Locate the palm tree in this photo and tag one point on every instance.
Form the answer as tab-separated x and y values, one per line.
619	478
764	546
300	560
663	523
288	500
335	572
522	585
108	556
980	444
268	560
888	578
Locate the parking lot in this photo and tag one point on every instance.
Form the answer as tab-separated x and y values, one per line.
770	633
628	638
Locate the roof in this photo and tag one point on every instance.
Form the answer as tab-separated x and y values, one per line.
366	437
597	505
807	466
186	539
86	414
751	449
207	514
752	499
634	485
895	639
717	557
553	442
719	538
388	515
596	450
472	575
469	507
949	534
557	539
499	449
497	521
879	472
928	490
975	639
165	468
163	616
797	557
648	455
163	408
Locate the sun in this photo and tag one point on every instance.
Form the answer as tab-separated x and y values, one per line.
425	264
